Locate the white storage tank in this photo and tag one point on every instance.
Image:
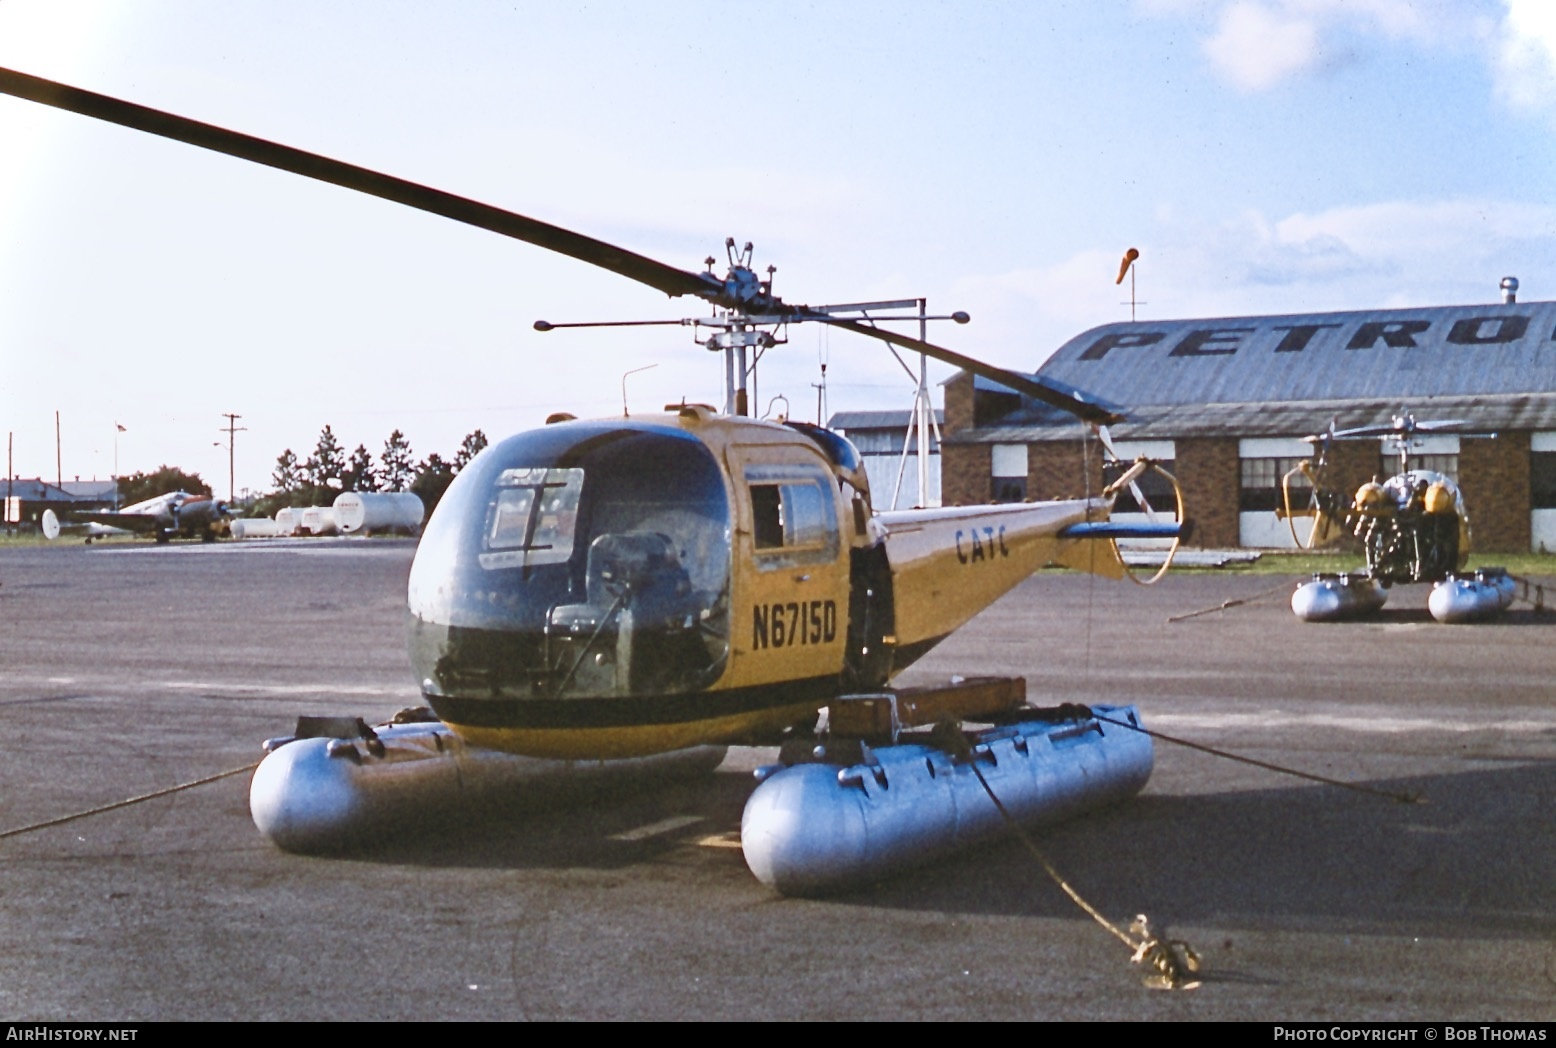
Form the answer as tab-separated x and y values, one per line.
319	520
255	528
364	512
288	520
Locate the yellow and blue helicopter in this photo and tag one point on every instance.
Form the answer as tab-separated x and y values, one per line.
607	591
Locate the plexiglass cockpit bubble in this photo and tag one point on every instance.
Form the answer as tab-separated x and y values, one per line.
584	560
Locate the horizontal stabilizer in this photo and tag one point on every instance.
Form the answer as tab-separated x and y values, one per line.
1107	529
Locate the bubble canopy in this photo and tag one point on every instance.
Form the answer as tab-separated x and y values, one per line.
582	560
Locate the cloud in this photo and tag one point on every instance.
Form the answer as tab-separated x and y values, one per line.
1256	47
1259	45
1390	253
1457	228
1381	255
1525	57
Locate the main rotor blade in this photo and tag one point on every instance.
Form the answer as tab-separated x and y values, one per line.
1061	399
1383	429
656	275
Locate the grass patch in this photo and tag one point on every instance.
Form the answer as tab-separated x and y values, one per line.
1308	562
34	539
22	540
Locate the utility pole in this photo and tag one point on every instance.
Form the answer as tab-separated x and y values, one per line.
232	430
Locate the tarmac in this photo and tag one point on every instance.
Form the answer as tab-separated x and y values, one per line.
130	668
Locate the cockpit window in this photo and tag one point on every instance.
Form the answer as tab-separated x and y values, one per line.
579	561
533	518
792	511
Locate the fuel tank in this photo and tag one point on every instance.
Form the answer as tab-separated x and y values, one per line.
255	528
319	520
1332	598
817	827
289	520
370	511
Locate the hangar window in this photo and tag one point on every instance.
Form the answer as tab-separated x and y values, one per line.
1446	464
1157	489
1259	489
1009	468
1542	480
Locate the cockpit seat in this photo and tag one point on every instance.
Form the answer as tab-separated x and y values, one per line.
636	570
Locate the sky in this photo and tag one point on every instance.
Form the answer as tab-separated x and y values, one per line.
1264	156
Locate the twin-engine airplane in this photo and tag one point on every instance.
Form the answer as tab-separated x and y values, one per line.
1413	527
616	590
177	514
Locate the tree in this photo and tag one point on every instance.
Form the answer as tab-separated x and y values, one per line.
432	479
286	478
472	446
360	474
398	463
138	487
325	466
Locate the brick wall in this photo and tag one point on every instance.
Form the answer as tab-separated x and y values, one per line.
965	470
1494	477
1207	469
1493	474
958	404
1057	470
1054	470
1350	464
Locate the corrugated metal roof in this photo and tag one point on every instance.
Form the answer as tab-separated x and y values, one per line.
1289	375
90	489
1396	354
34	489
1521	412
855	420
881	432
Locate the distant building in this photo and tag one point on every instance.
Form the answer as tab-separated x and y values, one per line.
1225	402
93	490
880	437
28	497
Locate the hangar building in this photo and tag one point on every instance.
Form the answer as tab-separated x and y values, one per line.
1225	402
25	499
881	437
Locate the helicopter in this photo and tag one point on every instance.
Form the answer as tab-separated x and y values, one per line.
1413	528
623	589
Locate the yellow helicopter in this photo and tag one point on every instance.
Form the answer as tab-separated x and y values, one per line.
607	590
1413	528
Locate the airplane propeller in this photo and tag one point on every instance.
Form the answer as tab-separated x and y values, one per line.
740	290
